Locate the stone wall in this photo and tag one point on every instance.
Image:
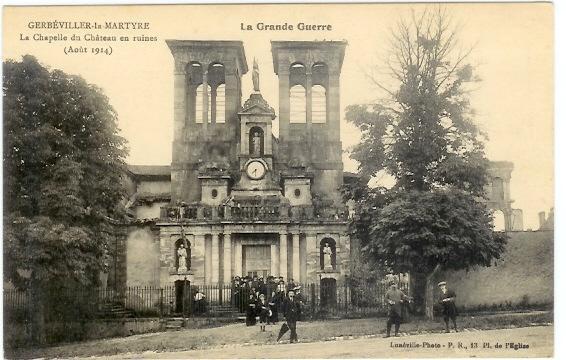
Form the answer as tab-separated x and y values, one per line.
150	211
524	275
154	187
142	257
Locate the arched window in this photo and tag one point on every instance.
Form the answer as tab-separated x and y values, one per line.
318	104
298	104
216	79
199	115
194	79
221	103
498	220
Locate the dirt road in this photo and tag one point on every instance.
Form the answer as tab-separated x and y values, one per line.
521	342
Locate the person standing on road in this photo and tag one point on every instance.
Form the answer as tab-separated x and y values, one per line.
395	298
448	302
251	310
263	311
292	313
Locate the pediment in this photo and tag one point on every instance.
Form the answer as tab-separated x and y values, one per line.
256	105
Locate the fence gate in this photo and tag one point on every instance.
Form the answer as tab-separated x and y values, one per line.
327	292
182	296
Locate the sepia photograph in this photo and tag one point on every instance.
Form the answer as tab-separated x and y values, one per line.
329	180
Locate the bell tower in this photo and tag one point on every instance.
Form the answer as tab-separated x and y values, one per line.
309	110
207	98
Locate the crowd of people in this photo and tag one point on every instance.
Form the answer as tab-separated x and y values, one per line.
267	300
271	300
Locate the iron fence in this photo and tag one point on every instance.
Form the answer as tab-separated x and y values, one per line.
324	299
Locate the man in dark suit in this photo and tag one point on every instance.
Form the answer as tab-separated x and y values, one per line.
292	313
448	302
395	298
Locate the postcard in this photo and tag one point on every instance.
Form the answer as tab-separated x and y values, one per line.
279	180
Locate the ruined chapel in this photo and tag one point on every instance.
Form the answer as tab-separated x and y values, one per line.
237	200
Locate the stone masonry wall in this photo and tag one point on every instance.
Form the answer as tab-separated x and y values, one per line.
525	274
142	258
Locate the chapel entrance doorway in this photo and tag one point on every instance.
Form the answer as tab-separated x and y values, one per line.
256	260
327	292
182	296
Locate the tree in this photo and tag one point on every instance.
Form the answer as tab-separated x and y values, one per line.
423	135
63	168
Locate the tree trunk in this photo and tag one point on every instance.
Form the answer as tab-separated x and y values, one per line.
429	293
418	290
37	313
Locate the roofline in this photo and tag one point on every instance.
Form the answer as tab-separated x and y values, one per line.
289	44
137	175
239	45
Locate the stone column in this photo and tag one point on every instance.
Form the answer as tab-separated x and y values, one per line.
283	255
343	263
198	261
180	106
179	128
215	259
313	257
333	109
232	98
274	260
296	258
238	257
207	260
284	102
227	257
205	113
507	189
212	107
308	84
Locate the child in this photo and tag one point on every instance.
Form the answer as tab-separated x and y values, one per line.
263	309
251	310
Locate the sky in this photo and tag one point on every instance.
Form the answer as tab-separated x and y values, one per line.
513	55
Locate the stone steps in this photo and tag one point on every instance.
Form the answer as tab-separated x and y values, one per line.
173	324
114	310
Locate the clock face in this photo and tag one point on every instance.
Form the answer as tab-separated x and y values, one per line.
255	170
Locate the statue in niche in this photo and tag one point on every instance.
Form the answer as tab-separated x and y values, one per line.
327	252
182	259
255	76
256	149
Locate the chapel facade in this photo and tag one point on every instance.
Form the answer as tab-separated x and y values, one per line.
242	201
239	201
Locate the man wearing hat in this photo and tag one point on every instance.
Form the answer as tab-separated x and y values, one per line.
292	313
448	302
395	298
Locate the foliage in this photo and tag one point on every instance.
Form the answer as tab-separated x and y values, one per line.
423	135
63	166
418	230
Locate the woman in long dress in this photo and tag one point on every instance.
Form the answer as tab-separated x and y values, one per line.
251	310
